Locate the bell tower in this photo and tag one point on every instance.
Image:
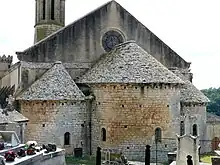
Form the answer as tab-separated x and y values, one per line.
50	17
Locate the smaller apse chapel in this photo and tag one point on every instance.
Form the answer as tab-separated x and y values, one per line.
105	80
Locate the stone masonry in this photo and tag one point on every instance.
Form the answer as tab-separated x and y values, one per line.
58	106
131	113
50	17
52	119
138	87
43	31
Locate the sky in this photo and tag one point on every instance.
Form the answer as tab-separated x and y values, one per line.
190	27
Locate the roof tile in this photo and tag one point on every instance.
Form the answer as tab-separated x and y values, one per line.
55	84
189	93
129	63
13	116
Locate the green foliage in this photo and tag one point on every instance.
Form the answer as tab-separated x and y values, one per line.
113	156
165	163
87	160
207	157
214	95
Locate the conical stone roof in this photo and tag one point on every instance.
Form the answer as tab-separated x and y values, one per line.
55	84
129	63
189	93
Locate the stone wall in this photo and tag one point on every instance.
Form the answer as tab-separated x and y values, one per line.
213	136
30	72
11	77
2	127
29	76
50	120
197	113
131	113
213	130
82	41
44	23
5	64
44	30
3	68
18	128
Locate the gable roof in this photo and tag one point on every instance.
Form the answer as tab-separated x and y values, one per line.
189	93
55	84
92	26
12	116
129	63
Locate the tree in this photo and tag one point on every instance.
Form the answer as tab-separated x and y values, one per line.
214	95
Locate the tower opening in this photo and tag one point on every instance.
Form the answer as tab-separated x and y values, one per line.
44	9
182	128
195	132
47	11
52	9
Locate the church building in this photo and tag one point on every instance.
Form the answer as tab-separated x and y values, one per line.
104	80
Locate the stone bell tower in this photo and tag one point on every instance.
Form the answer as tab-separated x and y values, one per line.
50	17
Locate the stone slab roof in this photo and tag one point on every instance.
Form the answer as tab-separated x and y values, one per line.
129	63
212	117
41	65
55	84
189	93
13	116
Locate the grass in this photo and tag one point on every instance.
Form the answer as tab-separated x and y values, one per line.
87	160
70	160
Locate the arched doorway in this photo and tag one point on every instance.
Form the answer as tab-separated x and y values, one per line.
215	142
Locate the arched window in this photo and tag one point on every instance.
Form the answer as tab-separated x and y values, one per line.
44	8
182	128
195	132
52	9
103	134
158	135
67	138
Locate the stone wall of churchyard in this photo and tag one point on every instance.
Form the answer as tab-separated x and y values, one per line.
213	136
18	128
131	113
50	120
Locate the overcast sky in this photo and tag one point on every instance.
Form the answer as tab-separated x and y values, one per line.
189	27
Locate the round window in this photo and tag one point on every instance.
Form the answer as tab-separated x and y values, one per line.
111	39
